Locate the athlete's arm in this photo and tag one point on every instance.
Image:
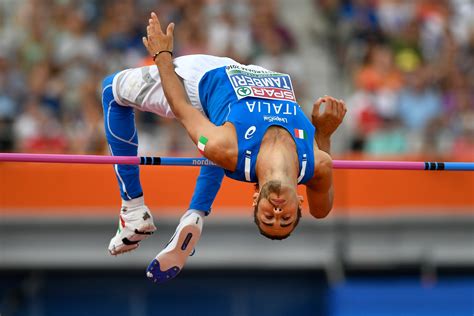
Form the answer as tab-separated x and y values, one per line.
196	124
320	190
207	185
327	122
194	121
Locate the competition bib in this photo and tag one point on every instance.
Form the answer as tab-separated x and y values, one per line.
265	84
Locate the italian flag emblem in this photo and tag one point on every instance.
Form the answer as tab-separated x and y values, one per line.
121	224
202	144
299	133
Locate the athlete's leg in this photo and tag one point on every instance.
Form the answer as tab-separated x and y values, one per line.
171	260
136	221
121	133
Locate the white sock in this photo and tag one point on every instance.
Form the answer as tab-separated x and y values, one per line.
202	214
133	203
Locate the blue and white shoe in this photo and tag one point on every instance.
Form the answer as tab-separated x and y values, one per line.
170	261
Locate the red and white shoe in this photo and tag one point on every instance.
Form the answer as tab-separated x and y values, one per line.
135	225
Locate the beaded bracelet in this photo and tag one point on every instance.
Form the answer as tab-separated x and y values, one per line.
162	51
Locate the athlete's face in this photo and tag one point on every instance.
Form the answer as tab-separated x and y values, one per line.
277	210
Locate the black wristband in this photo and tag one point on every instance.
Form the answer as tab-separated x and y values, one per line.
162	51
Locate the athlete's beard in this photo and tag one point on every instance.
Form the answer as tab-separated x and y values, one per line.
272	186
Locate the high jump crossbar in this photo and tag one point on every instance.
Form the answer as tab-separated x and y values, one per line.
197	162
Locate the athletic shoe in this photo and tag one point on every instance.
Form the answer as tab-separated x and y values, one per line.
135	224
170	261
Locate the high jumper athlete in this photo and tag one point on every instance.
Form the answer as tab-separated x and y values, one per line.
244	118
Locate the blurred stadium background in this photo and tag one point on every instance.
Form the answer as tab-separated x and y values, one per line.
397	243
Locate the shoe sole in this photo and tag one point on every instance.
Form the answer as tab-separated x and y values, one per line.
168	264
132	242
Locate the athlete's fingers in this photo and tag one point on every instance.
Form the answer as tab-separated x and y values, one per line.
156	21
317	106
154	27
170	29
336	108
319	101
339	109
145	42
330	106
154	16
342	109
151	28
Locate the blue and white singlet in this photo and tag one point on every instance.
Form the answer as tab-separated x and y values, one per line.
253	99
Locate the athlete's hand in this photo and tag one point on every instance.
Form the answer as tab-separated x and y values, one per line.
327	122
157	41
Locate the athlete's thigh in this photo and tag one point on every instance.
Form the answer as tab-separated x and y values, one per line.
141	88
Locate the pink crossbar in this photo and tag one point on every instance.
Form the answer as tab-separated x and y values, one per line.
55	158
189	161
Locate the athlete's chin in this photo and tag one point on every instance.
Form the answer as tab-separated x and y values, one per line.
284	193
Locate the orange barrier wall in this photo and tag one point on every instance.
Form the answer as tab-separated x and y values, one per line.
92	189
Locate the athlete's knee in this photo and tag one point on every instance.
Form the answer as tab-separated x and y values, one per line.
104	83
107	94
107	81
120	124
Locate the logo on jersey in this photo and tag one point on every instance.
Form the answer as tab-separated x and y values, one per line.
272	119
272	108
301	134
249	133
260	83
243	91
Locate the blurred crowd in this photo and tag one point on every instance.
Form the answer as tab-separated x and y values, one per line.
54	54
411	69
410	65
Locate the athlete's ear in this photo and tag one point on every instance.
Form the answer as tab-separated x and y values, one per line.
255	198
300	200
